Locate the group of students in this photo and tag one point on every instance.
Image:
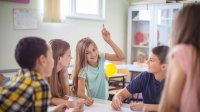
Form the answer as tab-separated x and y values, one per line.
43	77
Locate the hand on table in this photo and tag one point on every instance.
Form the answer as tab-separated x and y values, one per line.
136	106
89	101
116	103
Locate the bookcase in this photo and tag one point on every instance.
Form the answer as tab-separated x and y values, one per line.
149	25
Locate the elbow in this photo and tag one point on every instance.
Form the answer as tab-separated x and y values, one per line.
122	57
80	95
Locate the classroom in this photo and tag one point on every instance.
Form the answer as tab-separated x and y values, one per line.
100	55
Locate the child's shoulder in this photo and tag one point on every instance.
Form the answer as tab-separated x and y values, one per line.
18	84
83	70
182	48
39	83
102	54
145	74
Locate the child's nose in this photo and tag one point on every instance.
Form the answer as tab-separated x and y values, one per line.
147	62
93	54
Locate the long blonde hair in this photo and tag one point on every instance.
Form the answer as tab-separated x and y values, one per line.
81	60
57	81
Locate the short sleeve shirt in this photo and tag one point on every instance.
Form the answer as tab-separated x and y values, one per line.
96	79
146	84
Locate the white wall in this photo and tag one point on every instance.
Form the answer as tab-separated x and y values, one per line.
71	31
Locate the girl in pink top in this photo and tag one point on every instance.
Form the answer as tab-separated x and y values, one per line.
182	87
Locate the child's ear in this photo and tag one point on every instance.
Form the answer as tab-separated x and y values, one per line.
42	60
164	67
59	59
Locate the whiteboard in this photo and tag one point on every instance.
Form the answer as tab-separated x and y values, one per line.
25	18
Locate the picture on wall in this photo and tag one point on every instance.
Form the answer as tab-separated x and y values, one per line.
18	1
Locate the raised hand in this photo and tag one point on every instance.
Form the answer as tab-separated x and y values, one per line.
105	34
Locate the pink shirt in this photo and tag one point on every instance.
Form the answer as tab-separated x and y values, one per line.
184	54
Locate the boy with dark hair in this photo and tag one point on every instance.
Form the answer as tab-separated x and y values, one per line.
28	91
150	83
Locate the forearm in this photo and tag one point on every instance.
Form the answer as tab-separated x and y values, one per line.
144	107
151	107
123	94
119	96
57	101
82	95
116	49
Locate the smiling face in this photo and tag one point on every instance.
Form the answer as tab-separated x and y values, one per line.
92	55
64	60
154	65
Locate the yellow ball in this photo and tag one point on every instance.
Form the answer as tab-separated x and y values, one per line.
111	69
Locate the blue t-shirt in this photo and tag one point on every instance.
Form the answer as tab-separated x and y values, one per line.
146	84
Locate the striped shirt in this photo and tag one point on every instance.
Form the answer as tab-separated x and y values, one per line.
27	91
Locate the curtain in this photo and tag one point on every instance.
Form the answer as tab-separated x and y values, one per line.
52	11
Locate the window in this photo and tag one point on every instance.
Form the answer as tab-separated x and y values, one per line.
86	9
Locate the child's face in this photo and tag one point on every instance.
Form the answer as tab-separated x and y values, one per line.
64	60
49	62
154	65
92	54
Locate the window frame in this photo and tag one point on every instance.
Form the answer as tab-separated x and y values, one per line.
74	14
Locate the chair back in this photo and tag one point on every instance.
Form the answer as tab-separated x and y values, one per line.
2	78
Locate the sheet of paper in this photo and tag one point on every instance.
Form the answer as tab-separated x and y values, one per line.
25	18
98	107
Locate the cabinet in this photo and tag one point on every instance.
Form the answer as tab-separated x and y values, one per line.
149	25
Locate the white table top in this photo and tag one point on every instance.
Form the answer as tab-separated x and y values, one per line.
100	106
132	67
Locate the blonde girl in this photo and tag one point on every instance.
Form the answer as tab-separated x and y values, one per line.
89	71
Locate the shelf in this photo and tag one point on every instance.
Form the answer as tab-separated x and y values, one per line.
140	46
152	20
139	20
164	25
166	19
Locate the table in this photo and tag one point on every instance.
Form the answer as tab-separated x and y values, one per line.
132	68
100	106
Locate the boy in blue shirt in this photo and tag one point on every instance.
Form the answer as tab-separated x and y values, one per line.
150	83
